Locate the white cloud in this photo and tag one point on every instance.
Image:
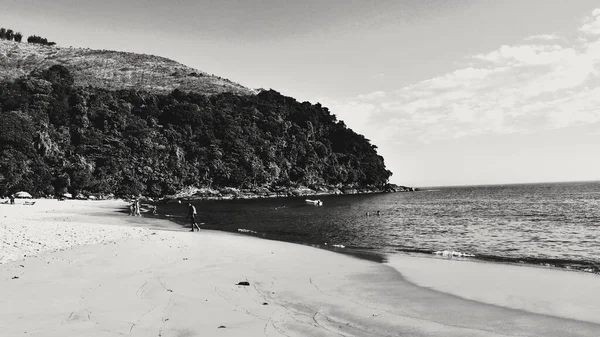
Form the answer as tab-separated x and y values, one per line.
592	24
544	37
526	55
372	96
515	88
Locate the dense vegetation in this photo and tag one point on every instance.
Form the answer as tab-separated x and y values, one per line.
40	40
57	137
10	35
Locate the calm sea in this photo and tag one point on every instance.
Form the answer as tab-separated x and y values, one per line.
555	224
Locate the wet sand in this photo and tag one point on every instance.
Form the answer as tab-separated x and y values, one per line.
544	290
140	281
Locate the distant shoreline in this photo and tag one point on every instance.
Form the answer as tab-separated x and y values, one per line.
230	193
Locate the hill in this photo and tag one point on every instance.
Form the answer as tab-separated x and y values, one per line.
111	69
58	135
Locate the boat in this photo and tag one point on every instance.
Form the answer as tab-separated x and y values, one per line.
314	202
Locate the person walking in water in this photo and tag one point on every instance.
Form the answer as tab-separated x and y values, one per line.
192	214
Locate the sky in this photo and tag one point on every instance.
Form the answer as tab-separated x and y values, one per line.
451	92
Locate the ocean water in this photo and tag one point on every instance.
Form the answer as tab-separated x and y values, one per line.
555	224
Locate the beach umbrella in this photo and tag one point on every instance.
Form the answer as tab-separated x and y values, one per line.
23	195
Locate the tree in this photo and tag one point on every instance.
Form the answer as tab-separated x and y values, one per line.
9	34
15	131
18	36
39	40
2	33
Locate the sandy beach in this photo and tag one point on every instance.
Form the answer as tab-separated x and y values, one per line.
84	268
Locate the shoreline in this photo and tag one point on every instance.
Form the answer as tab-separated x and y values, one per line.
588	267
536	289
154	283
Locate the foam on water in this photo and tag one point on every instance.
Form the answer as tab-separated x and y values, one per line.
453	253
242	230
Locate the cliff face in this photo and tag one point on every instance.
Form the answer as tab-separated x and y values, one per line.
57	135
111	69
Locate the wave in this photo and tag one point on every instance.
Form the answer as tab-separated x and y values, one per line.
453	253
577	265
242	230
337	246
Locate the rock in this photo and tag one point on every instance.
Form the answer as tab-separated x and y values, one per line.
243	283
265	303
301	191
15	277
221	327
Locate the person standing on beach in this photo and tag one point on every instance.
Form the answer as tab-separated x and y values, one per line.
192	214
137	208
12	199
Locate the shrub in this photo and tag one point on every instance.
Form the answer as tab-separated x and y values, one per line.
39	40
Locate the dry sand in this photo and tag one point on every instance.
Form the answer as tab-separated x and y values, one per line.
122	279
51	225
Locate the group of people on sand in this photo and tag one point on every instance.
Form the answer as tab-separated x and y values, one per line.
11	198
134	208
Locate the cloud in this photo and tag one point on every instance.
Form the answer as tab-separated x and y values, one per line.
522	88
544	37
372	96
591	24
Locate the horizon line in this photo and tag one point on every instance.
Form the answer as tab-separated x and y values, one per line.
513	183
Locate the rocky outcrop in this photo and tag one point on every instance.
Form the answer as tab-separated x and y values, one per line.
228	193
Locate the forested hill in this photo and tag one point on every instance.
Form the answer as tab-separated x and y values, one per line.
57	136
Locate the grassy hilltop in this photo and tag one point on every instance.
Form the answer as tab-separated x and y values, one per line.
112	70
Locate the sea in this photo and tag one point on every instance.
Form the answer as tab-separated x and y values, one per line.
548	224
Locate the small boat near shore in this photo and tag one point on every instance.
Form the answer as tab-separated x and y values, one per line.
314	202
